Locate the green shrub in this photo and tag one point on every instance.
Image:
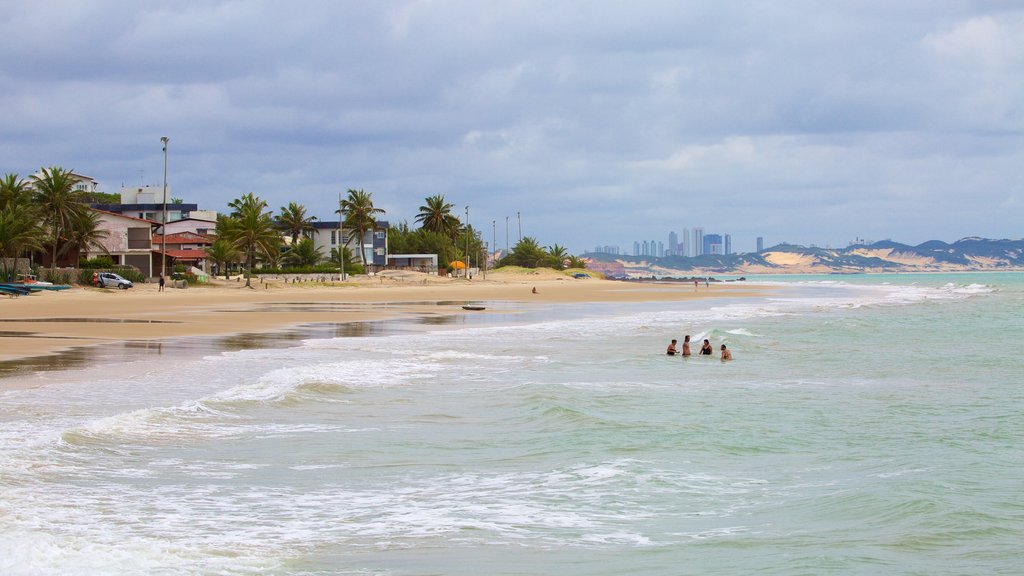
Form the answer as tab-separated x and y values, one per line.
319	269
97	262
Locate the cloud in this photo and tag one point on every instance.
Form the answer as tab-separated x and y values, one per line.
810	122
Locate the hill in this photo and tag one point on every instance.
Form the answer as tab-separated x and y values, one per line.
966	254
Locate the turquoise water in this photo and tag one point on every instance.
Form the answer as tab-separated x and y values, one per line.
868	425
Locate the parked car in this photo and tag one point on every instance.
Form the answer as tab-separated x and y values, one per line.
109	280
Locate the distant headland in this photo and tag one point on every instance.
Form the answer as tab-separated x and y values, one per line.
966	254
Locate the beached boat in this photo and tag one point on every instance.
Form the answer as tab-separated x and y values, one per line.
468	307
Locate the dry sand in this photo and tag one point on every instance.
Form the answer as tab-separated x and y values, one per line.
50	322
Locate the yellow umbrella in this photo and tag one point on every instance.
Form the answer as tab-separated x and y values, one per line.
457	265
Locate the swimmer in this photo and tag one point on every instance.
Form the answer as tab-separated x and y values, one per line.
671	348
686	345
705	349
726	353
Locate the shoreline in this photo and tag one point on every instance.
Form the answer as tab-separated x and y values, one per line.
38	330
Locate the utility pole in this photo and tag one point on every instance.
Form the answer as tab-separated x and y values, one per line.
507	249
467	242
494	237
520	219
163	230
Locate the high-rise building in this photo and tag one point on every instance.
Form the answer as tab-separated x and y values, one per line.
713	244
728	244
760	243
636	248
684	246
673	244
661	249
646	249
698	241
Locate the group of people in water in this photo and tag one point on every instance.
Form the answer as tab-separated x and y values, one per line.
705	349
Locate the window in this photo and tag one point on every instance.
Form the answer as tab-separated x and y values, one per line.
334	237
380	235
378	251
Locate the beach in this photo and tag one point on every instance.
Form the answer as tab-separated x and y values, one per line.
49	322
862	428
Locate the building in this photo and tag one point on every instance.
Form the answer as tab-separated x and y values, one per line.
186	248
673	244
374	244
636	248
661	249
728	244
684	246
146	202
713	244
194	225
760	243
418	262
82	183
698	241
129	241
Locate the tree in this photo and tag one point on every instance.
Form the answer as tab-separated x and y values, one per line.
293	220
14	190
436	216
526	253
304	253
558	254
576	262
250	230
350	264
59	202
223	253
360	215
85	233
19	232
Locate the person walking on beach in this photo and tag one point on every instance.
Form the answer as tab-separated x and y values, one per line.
726	353
161	288
705	349
671	348
686	346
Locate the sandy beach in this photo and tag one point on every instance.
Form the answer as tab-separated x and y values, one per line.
51	322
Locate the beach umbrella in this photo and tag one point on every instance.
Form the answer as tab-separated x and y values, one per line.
457	265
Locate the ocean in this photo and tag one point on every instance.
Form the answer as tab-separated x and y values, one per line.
869	424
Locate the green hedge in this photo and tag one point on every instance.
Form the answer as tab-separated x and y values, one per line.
321	269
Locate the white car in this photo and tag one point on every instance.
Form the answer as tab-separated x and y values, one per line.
109	280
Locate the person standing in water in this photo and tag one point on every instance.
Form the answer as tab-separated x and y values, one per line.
686	345
705	349
726	353
671	348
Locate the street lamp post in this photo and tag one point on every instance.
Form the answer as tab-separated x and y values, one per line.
163	235
507	249
494	237
467	242
520	219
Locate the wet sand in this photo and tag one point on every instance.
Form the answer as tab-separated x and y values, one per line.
50	329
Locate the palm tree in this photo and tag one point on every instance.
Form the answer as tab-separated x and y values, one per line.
60	203
305	253
558	254
360	216
223	253
19	231
85	233
436	216
294	221
14	190
250	229
576	262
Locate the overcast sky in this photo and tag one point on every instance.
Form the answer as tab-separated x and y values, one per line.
600	122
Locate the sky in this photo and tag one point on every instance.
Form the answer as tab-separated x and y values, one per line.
582	123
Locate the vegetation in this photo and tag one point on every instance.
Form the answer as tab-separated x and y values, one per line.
436	216
528	254
59	204
250	230
224	254
359	215
293	221
304	253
